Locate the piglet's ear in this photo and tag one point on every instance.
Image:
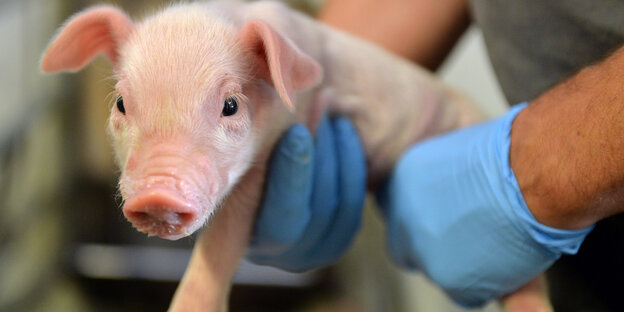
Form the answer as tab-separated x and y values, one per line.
97	30
278	61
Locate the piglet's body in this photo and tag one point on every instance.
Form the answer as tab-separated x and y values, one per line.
185	149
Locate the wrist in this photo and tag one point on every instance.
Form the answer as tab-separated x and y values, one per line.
555	238
535	158
566	148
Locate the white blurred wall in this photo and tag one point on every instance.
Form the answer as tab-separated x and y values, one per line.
469	69
25	28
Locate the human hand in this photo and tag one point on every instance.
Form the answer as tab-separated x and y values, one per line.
455	211
314	196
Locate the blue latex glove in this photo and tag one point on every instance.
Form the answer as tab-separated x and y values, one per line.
314	196
455	211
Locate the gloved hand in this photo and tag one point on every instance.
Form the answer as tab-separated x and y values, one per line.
455	211
312	206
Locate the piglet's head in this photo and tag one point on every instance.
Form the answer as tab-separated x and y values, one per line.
192	93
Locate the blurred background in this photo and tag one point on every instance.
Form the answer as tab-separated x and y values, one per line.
64	243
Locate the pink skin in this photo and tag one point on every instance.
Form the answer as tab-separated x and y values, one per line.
167	197
179	156
181	159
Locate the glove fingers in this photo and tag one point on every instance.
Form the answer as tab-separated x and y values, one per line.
335	206
325	189
284	212
323	203
352	190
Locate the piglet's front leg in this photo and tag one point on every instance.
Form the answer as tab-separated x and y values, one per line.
206	282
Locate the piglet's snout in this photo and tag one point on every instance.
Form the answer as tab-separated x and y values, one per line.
167	190
161	212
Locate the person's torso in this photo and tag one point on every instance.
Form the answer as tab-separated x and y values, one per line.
533	44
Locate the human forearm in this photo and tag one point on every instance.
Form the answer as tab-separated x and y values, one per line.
423	31
567	148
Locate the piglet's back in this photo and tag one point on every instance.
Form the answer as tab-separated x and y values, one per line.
392	102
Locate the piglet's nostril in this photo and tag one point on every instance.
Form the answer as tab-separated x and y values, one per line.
161	215
156	215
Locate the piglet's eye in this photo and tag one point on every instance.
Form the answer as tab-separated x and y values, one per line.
230	107
120	105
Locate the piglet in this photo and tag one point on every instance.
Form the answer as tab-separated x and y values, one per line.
205	90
